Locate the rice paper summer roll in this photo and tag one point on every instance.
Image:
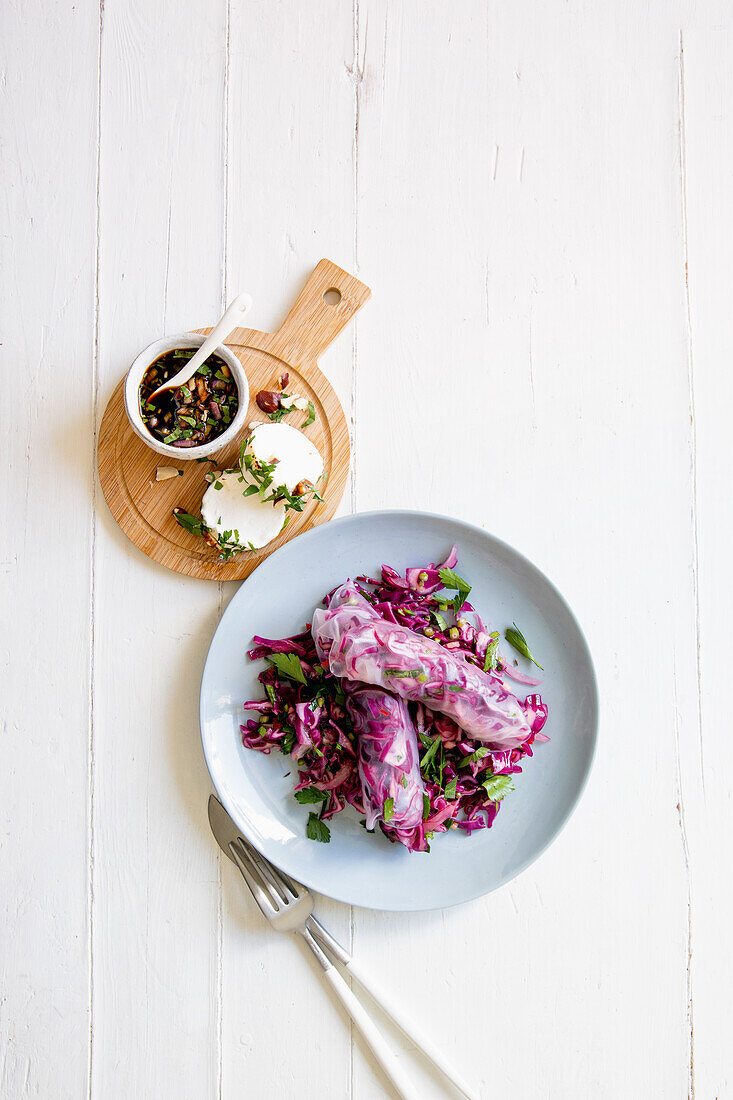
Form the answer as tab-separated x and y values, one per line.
388	759
359	644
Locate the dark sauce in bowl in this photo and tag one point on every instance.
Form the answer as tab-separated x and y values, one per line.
192	414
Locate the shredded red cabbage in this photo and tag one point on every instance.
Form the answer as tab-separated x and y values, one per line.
463	779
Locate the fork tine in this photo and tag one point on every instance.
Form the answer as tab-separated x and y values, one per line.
295	888
259	888
266	869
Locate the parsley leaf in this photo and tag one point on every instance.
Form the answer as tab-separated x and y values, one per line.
452	580
497	786
310	794
189	523
311	415
317	829
450	790
439	621
388	812
425	807
430	753
289	665
490	660
474	757
516	639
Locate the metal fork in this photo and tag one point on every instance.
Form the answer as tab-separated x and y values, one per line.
288	905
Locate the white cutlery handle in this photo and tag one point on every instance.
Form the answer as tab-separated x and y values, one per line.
381	1050
231	319
410	1031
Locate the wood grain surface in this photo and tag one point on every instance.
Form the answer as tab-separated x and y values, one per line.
540	197
143	507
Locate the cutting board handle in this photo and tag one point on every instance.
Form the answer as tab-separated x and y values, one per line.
324	306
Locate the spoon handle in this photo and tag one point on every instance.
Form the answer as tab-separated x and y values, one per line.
231	319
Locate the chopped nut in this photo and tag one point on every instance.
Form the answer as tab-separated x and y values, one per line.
301	403
284	379
302	488
287	402
165	473
268	401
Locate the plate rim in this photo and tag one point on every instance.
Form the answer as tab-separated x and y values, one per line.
594	726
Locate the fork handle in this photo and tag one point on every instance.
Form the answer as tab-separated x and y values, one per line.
396	1015
380	1048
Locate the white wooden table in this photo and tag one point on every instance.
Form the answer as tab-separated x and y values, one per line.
540	197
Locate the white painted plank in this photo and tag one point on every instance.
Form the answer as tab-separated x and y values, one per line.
156	893
47	169
291	202
706	751
516	187
518	211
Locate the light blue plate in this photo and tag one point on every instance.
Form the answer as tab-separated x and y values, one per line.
362	868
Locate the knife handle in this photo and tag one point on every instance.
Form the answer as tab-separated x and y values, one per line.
393	1011
380	1048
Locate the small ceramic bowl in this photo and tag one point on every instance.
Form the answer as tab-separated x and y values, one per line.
132	400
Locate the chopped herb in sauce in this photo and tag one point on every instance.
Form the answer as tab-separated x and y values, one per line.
194	413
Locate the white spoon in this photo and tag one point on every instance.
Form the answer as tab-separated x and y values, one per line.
232	318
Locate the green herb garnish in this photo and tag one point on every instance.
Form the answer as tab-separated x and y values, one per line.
452	580
474	757
311	415
450	790
286	745
490	661
439	621
317	829
309	795
497	786
516	639
428	756
289	665
388	811
189	523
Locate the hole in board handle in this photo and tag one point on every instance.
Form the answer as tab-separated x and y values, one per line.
332	297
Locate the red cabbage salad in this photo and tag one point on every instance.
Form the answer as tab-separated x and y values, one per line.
397	701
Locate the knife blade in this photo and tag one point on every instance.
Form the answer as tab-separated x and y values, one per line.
222	826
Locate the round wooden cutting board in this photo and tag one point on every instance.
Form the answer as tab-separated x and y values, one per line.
143	507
